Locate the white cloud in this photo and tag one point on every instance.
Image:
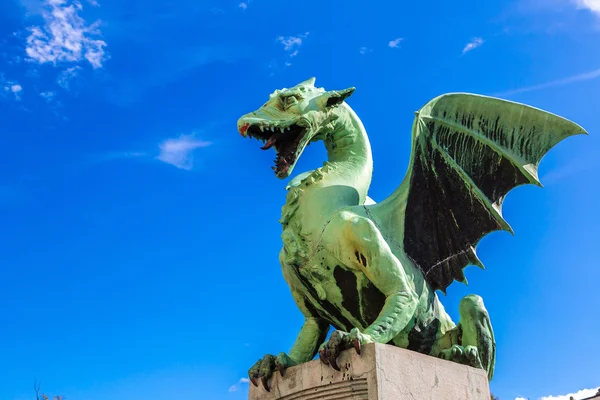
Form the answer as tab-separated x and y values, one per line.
179	152
243	5
8	86
48	96
559	82
394	44
65	36
473	44
16	89
592	5
582	394
364	50
65	77
238	385
291	43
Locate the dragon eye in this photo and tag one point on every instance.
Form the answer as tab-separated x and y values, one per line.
290	100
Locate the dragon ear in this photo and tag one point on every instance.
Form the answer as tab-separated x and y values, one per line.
334	97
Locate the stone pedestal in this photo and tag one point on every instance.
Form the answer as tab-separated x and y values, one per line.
381	372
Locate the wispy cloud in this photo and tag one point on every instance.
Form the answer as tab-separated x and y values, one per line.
591	5
48	96
243	5
472	45
65	77
15	89
364	50
10	87
120	155
394	44
179	152
65	36
586	76
116	156
238	385
582	394
292	43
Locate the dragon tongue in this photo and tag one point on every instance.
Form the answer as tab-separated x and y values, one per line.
269	143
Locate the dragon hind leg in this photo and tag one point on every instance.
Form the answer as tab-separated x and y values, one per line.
474	345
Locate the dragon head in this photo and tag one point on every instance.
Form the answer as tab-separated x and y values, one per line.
291	119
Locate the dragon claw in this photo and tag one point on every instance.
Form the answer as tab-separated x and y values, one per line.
323	356
356	343
264	368
281	368
330	350
265	383
457	352
254	372
332	360
467	355
283	362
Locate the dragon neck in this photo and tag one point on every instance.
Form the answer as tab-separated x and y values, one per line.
344	178
349	163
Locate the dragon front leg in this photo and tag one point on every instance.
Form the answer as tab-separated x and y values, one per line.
357	242
312	334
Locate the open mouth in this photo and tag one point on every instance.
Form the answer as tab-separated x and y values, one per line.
286	141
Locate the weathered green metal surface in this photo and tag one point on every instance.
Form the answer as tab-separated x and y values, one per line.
371	270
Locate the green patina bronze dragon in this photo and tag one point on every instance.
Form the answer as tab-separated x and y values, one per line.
370	269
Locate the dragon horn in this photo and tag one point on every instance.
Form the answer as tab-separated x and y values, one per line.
309	82
335	97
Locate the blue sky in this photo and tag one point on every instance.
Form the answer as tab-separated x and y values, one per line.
140	236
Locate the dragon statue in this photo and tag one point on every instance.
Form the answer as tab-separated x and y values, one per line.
371	270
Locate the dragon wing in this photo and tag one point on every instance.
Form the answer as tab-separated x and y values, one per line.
468	152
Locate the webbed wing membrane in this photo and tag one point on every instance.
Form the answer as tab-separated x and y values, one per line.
468	152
